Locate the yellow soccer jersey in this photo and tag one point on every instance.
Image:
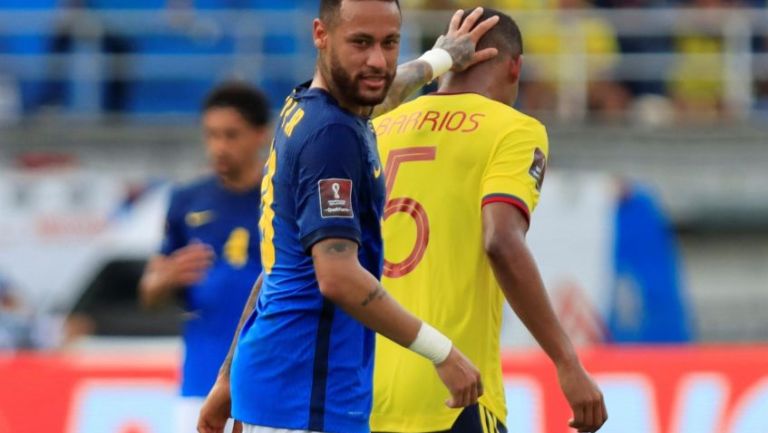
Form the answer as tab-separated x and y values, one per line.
445	156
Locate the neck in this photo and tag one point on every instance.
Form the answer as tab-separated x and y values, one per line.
484	81
320	82
466	83
245	181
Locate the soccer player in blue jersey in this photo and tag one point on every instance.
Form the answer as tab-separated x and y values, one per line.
210	253
304	357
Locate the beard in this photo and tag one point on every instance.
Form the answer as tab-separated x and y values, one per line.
351	87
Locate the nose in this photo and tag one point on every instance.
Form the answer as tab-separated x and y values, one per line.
216	145
376	58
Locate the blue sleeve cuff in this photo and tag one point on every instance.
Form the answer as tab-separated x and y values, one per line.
323	233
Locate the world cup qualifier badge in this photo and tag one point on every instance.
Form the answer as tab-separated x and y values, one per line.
335	198
538	168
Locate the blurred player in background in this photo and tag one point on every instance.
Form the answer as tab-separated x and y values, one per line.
465	169
304	359
210	254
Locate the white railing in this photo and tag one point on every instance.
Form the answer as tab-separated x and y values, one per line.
739	66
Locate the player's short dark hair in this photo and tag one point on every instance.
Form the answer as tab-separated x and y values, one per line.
247	100
504	36
329	9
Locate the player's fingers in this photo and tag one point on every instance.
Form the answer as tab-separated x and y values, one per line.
470	20
203	427
189	278
199	251
600	414
483	28
578	418
196	247
457	399
192	260
483	55
605	410
589	418
470	395
480	389
237	427
187	273
455	20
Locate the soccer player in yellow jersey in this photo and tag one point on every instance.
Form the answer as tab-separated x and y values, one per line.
463	174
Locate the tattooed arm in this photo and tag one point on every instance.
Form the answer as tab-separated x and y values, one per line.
459	42
347	284
350	286
216	408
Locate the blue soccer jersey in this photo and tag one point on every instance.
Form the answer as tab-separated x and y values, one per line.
227	221
301	362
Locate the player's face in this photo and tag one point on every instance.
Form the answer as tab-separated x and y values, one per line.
362	51
232	144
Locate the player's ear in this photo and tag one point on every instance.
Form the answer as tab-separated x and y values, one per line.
263	135
319	34
515	67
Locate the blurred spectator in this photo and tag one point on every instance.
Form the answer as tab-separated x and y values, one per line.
20	328
696	81
87	36
571	47
649	303
10	100
504	5
761	78
15	328
642	44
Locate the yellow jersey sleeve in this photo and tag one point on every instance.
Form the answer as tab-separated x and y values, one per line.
516	167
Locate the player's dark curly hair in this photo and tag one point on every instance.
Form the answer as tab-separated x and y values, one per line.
329	9
504	36
247	100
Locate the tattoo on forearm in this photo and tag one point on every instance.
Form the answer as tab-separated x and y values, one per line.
410	77
461	49
374	294
339	247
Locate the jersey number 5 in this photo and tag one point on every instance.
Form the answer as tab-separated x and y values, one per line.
409	206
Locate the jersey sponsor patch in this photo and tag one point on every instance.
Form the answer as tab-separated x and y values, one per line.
538	167
335	198
197	219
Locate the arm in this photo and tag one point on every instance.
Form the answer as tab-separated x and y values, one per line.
347	284
504	229
165	275
217	406
459	42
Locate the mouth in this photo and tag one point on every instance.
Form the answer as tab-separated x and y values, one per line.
221	165
374	82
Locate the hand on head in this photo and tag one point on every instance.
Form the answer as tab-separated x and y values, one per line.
462	37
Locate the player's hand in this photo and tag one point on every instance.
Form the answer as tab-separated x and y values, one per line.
584	397
460	40
461	378
216	409
187	265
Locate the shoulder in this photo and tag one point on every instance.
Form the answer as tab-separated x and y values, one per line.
517	123
320	119
334	140
518	133
185	192
195	186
